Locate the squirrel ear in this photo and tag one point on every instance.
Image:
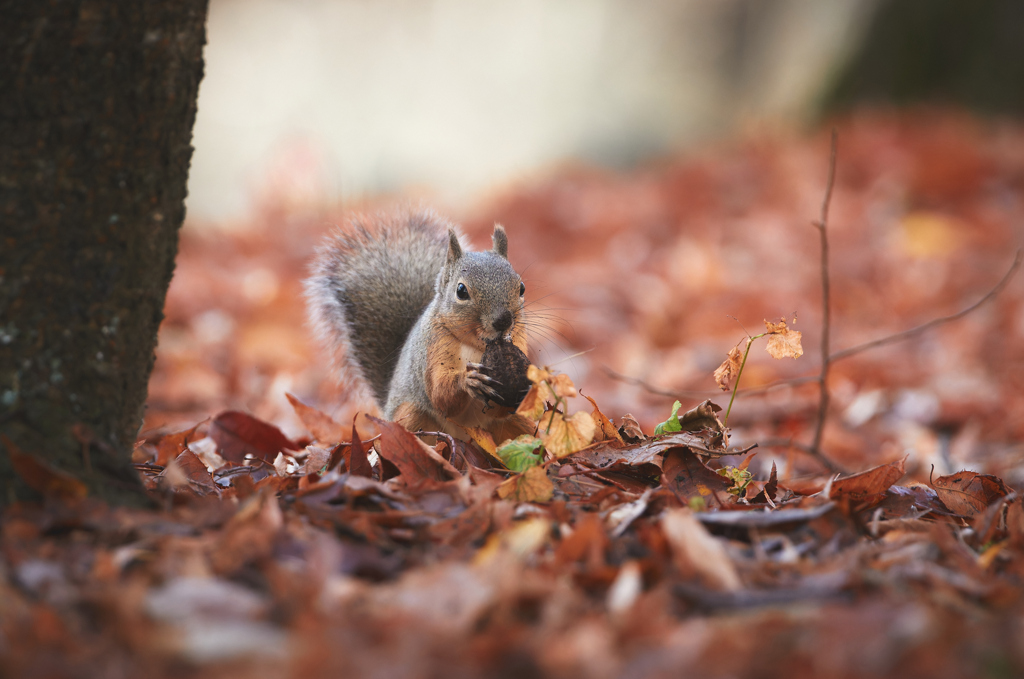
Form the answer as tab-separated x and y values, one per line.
500	241
454	249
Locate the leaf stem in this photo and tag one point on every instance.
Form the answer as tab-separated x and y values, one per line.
739	374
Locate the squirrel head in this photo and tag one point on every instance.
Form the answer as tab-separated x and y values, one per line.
480	295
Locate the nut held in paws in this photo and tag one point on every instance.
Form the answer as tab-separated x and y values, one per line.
507	364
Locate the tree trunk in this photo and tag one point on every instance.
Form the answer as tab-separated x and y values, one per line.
97	101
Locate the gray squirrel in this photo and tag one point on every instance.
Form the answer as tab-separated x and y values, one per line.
405	310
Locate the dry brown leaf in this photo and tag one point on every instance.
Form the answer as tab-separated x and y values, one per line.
967	493
783	342
533	485
868	488
606	428
697	553
562	386
564	436
730	368
321	425
630	429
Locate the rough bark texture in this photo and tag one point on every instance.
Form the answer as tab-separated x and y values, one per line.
96	113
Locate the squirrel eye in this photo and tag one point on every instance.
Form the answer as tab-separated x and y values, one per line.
461	292
522	289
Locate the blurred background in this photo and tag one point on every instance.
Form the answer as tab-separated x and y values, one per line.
340	99
657	164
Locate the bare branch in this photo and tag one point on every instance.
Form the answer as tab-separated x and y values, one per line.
912	332
826	359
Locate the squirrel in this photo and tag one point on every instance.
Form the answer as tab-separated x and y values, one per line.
405	310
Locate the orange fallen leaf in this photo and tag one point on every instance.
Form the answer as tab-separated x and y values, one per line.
533	485
321	425
968	493
566	435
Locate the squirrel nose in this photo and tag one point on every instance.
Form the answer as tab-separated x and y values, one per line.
503	322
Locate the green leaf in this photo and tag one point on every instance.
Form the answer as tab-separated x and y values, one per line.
671	424
739	477
521	453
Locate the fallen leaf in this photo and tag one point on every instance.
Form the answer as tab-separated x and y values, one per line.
482	438
783	342
238	435
696	553
187	470
170	446
606	429
868	488
533	485
967	493
321	425
521	453
418	463
356	462
686	476
564	436
630	429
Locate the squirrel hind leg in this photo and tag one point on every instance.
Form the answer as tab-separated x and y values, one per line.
414	418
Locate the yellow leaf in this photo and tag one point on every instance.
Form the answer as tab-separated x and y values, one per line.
537	375
564	436
533	485
532	406
482	438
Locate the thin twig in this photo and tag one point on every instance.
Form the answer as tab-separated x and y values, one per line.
907	334
646	386
826	359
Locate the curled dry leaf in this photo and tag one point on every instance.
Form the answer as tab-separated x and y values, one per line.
607	430
730	368
630	430
783	342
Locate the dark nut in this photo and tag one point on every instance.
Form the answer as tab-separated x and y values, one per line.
507	364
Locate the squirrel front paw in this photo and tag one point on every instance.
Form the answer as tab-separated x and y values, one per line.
480	384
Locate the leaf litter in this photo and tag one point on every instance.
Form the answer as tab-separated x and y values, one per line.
290	542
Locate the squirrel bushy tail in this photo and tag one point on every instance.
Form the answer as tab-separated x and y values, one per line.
370	282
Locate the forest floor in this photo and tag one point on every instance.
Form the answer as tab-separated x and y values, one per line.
283	546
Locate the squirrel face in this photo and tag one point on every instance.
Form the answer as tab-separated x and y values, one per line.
480	294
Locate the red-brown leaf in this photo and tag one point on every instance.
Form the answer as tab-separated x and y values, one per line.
688	477
417	462
238	435
968	493
868	488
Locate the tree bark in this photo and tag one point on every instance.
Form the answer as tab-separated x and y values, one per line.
97	101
